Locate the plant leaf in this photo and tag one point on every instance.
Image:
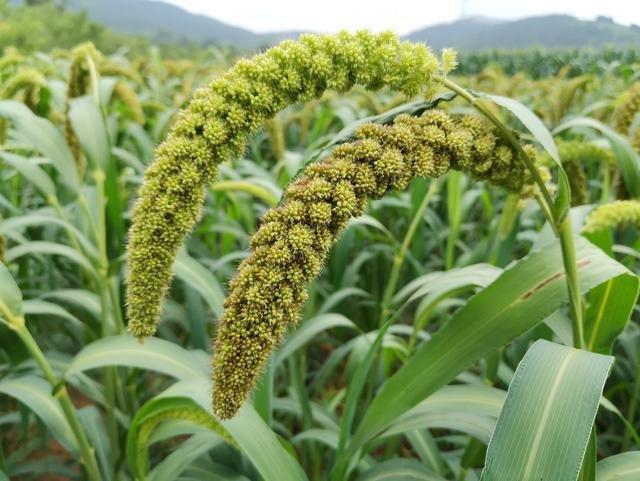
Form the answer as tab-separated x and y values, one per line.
190	271
10	293
523	296
621	467
43	136
32	172
35	393
544	427
155	355
399	470
610	306
309	329
88	124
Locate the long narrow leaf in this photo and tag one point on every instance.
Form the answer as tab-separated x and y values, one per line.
544	426
520	298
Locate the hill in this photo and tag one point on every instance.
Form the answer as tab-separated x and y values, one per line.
161	21
555	31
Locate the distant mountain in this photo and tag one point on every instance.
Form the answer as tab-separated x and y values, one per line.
163	21
160	20
557	31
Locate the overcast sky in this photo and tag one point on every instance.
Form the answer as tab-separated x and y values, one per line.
399	15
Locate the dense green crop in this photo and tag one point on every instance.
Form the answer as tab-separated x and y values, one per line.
400	270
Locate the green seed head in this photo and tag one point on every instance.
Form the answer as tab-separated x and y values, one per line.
619	212
215	125
289	248
125	94
573	155
79	72
27	81
624	116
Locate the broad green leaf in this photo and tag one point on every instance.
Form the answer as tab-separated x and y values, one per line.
10	294
43	136
79	298
399	470
610	305
248	431
32	172
88	124
211	472
621	467
542	135
451	402
49	248
340	295
154	354
477	274
450	283
544	426
248	186
35	393
173	465
425	446
475	425
194	274
40	307
321	415
309	329
262	447
18	223
523	296
128	158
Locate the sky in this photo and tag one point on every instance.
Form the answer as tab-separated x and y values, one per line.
402	16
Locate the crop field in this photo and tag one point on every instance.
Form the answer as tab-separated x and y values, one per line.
343	258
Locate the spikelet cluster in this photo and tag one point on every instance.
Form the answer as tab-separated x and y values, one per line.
78	84
625	113
574	154
79	80
216	123
10	61
28	81
617	213
123	92
291	245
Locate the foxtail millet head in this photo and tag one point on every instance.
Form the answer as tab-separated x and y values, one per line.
294	239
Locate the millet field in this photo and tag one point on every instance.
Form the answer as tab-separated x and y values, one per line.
343	258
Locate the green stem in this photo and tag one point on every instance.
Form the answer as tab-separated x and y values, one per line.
633	406
561	226
398	260
573	283
110	373
60	393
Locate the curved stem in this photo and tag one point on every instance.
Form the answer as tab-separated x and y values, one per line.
573	282
509	137
561	226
